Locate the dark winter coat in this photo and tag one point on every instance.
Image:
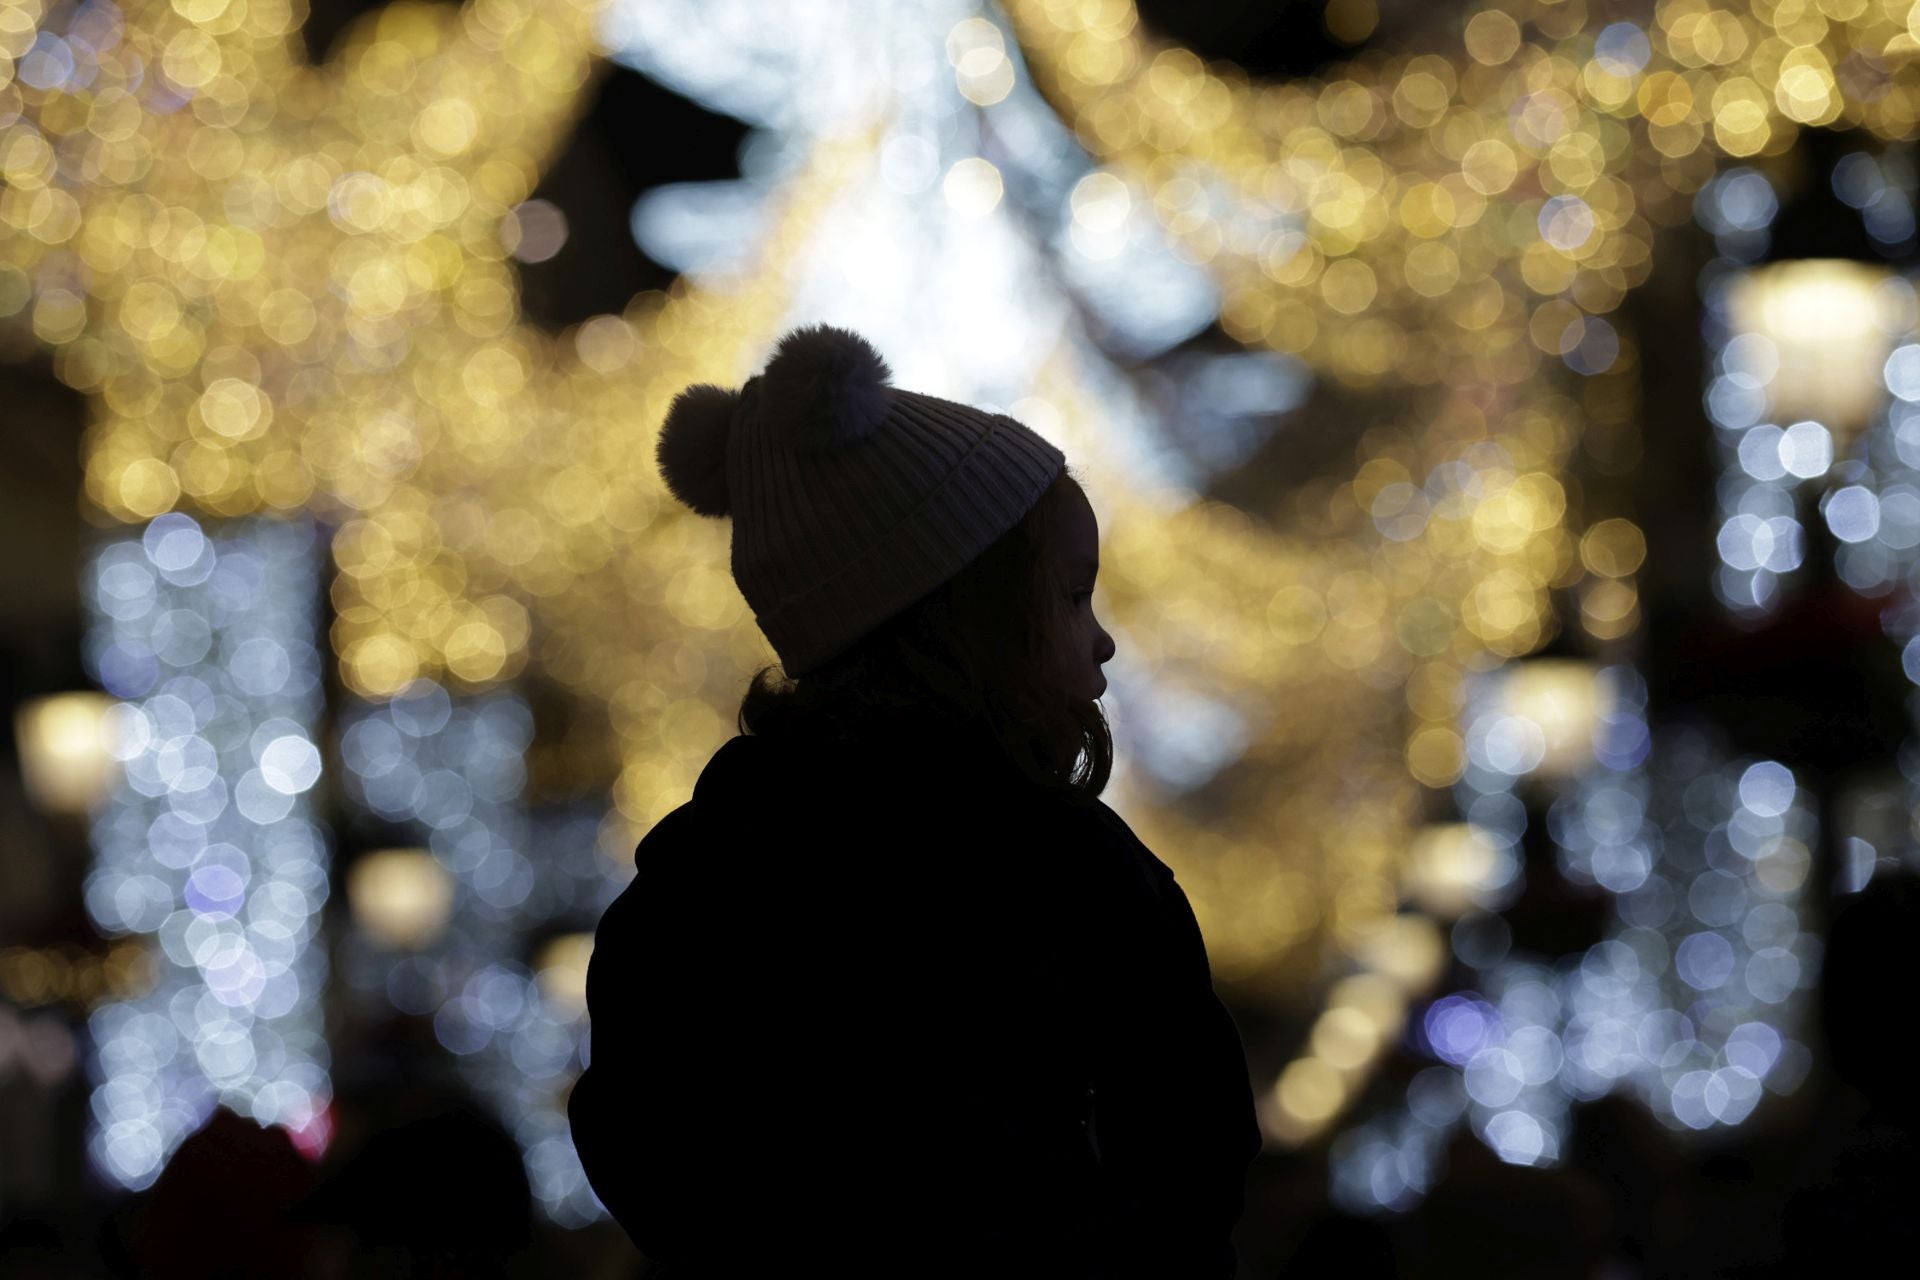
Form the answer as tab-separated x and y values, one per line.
887	1008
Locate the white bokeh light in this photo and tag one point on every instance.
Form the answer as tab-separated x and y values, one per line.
222	862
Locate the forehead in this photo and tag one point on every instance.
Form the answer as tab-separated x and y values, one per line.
1080	536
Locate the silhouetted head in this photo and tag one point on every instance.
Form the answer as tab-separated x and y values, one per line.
1010	642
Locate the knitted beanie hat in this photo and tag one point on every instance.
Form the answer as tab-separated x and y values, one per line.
850	498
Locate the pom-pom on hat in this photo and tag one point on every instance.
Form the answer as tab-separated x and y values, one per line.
850	498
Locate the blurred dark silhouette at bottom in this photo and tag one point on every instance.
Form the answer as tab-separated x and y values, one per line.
219	1210
444	1194
1338	1243
420	1181
439	1194
1635	1164
1488	1217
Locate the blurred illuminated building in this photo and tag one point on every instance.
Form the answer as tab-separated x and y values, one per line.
1340	359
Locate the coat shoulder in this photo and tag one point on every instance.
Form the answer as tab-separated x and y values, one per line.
1116	836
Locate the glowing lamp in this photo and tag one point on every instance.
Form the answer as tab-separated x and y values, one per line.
400	898
1831	327
66	750
1564	698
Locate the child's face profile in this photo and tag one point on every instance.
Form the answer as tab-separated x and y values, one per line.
1086	645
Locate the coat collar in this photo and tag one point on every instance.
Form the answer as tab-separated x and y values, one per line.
888	750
